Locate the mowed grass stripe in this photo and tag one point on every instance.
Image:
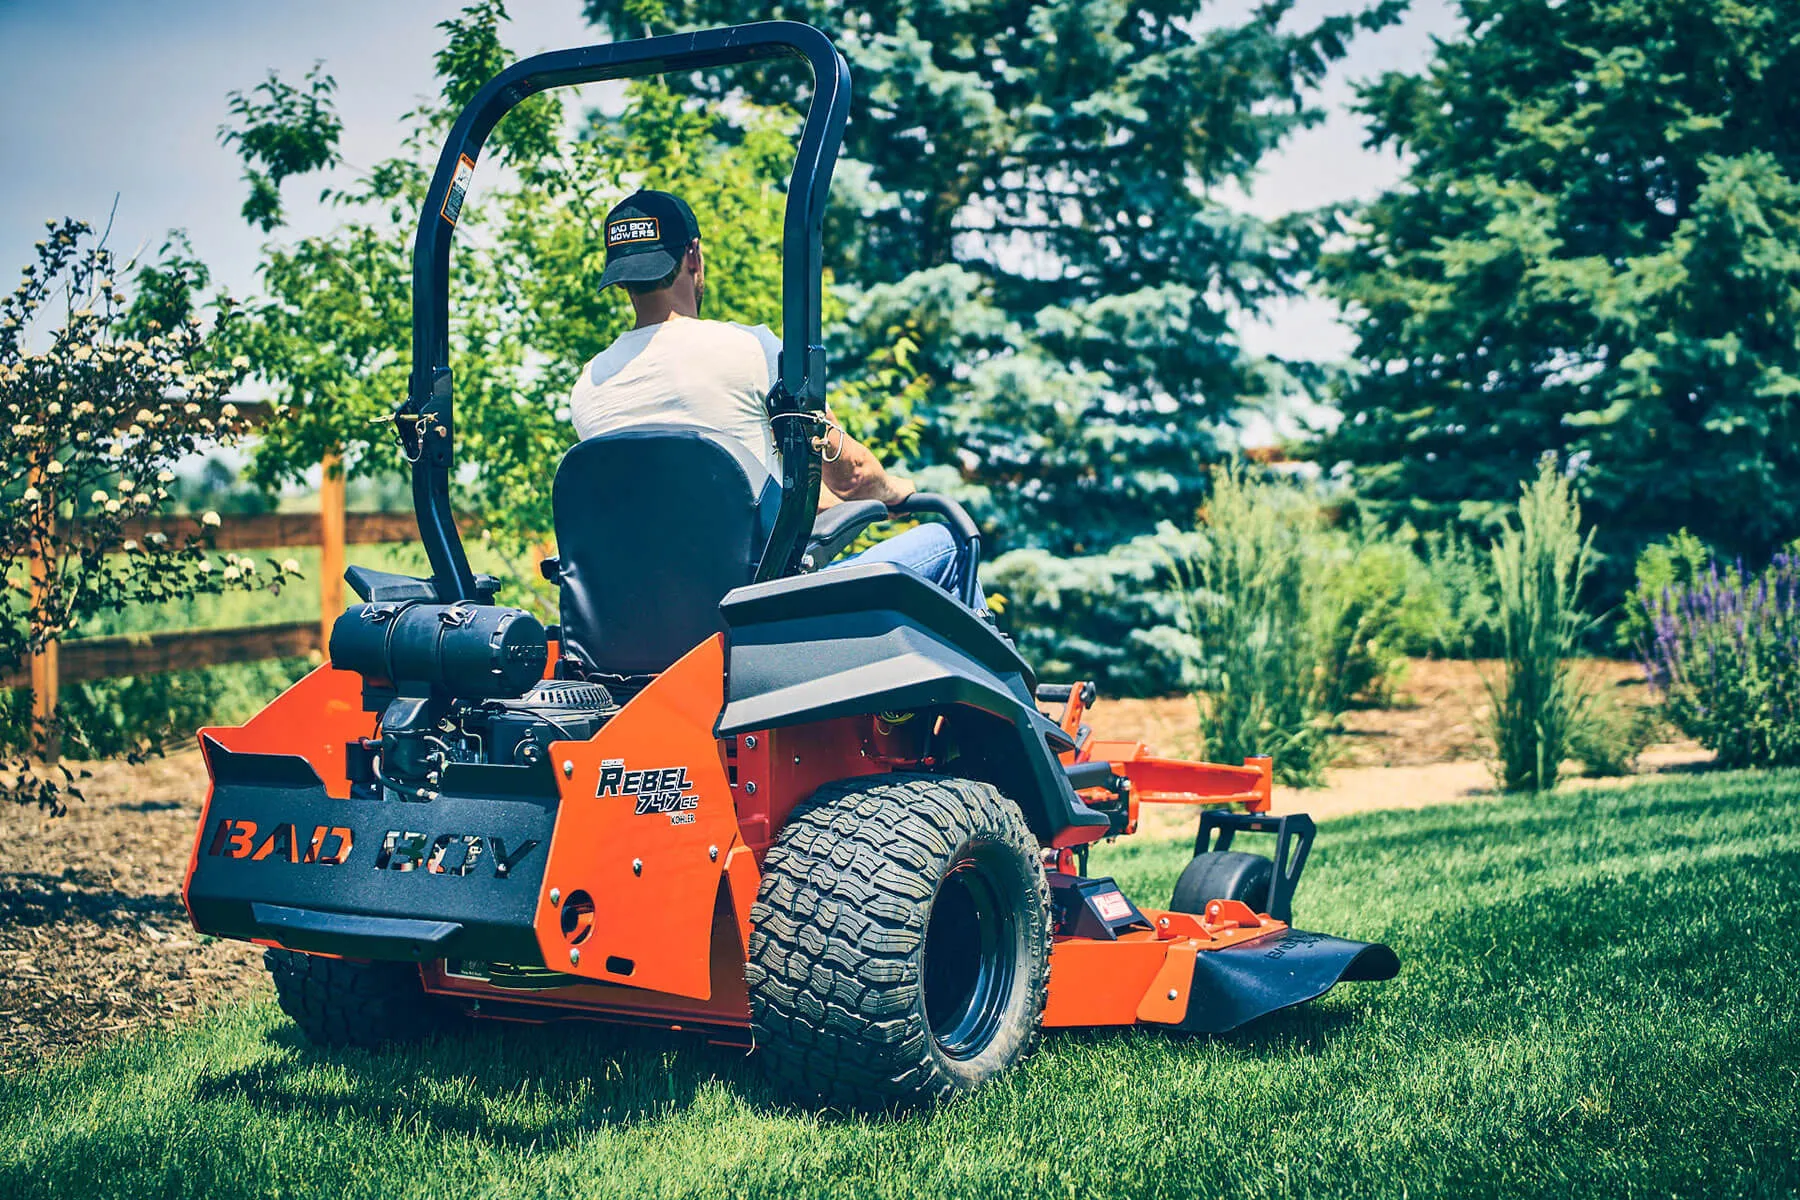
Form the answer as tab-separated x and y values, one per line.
1599	998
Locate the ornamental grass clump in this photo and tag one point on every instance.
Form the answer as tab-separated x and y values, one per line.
1723	653
1539	704
1247	592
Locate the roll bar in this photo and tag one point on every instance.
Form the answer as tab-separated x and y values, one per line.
426	423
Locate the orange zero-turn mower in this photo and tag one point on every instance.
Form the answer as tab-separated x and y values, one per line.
816	812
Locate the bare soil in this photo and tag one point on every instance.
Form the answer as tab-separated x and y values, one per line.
94	939
93	936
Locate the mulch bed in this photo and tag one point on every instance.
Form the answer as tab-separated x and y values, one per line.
93	937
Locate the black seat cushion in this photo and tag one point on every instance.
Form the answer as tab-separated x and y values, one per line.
653	526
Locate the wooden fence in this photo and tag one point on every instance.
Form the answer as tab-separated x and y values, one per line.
331	529
182	649
177	650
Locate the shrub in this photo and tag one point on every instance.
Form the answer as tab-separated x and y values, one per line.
1724	653
101	398
1462	577
1611	736
1376	604
1539	567
1674	562
1111	618
1248	602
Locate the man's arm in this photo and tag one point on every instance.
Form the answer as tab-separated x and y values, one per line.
852	471
856	474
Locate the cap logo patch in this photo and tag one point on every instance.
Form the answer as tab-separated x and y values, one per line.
632	229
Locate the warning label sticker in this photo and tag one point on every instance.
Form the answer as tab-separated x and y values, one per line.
459	187
1112	906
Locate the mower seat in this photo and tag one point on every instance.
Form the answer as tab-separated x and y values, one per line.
653	526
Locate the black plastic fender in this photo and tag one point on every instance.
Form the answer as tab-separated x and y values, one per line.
877	637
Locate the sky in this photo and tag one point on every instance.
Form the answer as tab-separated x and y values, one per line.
124	98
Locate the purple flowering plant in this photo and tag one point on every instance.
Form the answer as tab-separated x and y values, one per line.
1723	653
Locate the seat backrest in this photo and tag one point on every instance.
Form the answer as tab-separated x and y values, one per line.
653	526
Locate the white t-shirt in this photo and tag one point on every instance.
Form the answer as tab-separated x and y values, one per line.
685	371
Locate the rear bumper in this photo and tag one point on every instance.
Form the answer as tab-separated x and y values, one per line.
278	861
356	936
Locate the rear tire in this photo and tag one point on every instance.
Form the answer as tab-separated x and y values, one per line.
901	943
1223	875
337	1002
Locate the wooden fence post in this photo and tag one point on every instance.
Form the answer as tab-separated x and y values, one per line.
331	546
44	677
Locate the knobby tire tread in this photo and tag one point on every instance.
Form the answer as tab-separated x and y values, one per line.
834	968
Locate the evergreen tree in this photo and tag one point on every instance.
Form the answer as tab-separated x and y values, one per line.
1033	190
1596	253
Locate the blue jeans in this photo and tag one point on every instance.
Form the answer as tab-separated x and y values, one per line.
927	549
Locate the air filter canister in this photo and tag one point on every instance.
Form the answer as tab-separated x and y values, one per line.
473	651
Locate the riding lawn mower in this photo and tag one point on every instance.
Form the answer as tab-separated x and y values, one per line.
817	812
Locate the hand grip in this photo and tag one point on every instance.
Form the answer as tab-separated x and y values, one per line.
963	529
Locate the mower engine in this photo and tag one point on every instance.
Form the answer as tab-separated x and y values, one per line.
518	732
455	683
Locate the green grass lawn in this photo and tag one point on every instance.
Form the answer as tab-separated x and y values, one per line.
1598	998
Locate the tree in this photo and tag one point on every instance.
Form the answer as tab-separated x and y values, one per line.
100	402
1036	188
1595	253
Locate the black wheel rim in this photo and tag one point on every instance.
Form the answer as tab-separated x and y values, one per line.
970	956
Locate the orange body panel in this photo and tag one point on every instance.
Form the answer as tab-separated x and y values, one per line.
1101	983
773	770
652	878
316	718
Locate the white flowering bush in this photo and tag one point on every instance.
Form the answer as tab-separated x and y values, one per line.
98	398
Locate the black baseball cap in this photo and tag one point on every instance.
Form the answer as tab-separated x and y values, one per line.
646	235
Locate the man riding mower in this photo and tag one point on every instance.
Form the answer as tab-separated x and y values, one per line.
817	812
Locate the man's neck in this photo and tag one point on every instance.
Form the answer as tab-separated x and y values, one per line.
657	308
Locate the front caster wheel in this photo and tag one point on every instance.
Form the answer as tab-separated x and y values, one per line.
1224	875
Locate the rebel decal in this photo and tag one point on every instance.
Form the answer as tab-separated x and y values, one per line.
661	790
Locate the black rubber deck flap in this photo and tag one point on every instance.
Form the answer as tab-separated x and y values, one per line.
1244	982
349	933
